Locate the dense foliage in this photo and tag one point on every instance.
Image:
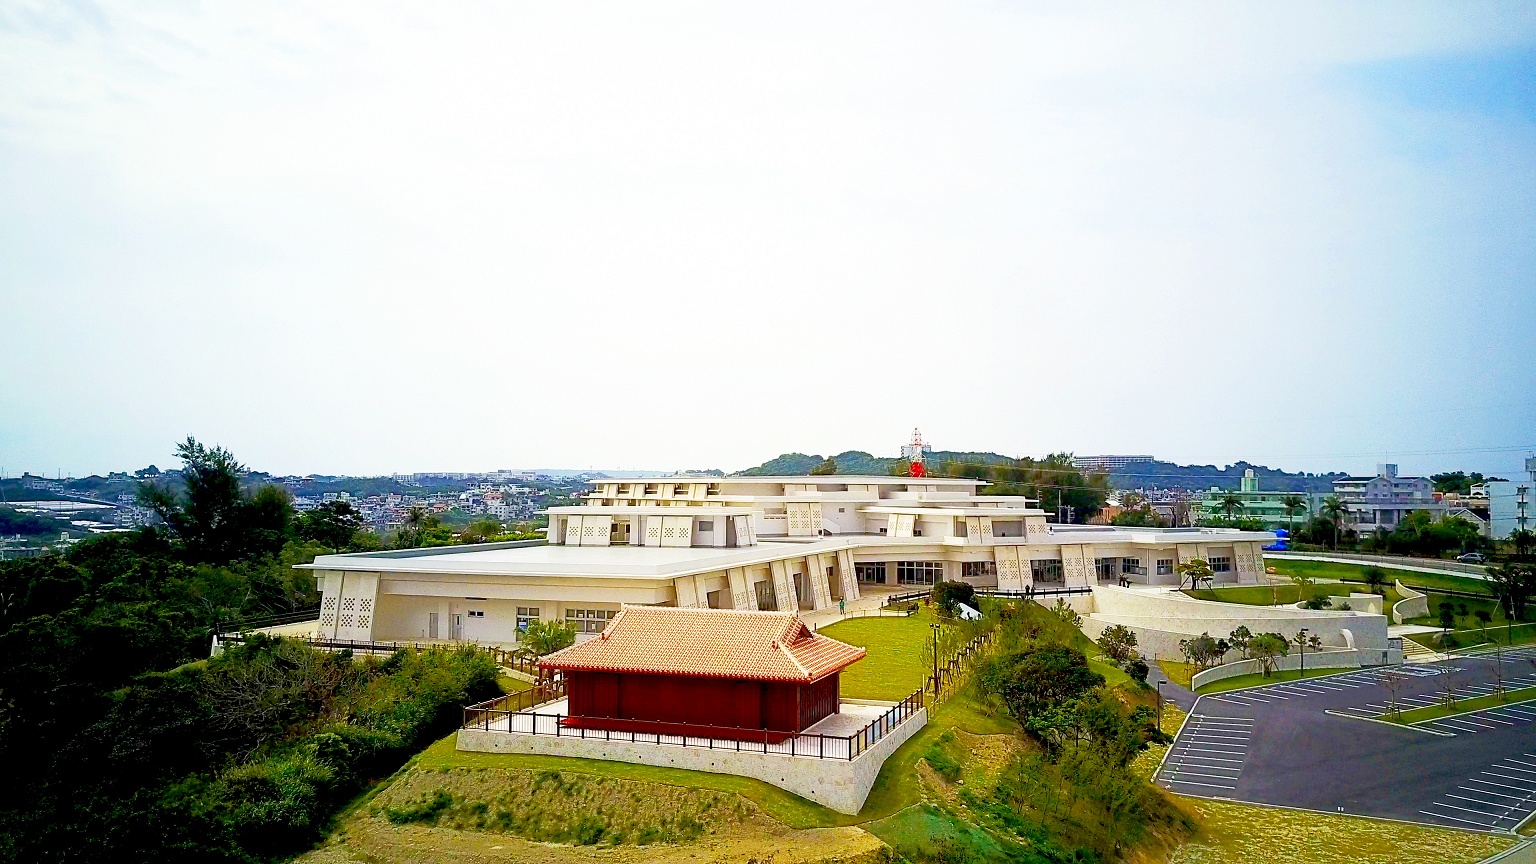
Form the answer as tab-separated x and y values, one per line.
118	746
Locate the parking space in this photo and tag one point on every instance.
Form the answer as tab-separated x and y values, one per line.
1497	798
1209	753
1303	744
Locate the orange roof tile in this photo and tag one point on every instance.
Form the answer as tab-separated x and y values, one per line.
713	643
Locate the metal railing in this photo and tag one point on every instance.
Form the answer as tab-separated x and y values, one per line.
273	620
356	646
487	716
1023	594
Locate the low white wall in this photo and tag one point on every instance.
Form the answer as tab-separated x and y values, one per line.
1340	659
1413	604
1160	619
839	784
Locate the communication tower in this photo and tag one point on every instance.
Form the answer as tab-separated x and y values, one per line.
913	453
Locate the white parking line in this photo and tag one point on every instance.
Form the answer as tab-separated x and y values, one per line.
1193	783
1495	794
1458	819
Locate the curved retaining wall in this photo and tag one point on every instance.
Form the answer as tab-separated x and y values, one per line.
1413	604
1339	659
1160	619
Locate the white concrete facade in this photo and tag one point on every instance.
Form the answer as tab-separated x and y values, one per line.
785	543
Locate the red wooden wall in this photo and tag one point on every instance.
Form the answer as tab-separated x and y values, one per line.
778	706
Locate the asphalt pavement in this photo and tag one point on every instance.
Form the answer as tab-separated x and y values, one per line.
1309	744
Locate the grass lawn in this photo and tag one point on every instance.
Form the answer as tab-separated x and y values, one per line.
1240	832
1277	677
1266	595
1519	634
1462	706
1177	672
893	666
1351	573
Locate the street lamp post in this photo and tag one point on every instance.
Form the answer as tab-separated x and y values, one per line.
1301	642
1160	706
935	627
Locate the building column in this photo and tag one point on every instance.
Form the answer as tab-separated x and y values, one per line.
742	595
846	574
821	592
687	593
783	589
1074	567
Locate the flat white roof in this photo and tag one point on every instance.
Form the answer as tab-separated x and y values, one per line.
633	562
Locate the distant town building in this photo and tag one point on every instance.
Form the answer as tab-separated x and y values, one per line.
1512	503
1380	502
1107	463
1255	503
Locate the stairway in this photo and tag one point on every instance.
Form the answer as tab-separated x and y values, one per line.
1413	652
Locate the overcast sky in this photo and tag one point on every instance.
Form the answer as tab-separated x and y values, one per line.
368	237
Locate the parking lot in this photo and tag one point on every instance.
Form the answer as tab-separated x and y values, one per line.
1307	744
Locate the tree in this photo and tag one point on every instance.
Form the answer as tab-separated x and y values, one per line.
1038	679
546	637
1392	678
826	466
1241	639
947	596
1201	651
482	530
1293	504
1375	578
1196	570
1496	667
422	529
1447	617
1302	643
213	520
1513	583
333	524
1231	504
1118	643
1266	648
1484	617
1334	511
1446	678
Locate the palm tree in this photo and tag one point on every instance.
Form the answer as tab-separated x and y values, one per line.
1230	503
1293	504
1334	511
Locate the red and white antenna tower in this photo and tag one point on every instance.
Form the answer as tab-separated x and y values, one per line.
913	453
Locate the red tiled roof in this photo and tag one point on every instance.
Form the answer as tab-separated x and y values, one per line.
713	643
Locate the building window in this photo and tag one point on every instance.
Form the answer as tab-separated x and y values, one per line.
919	572
978	569
1164	566
650	488
1105	568
526	615
588	620
870	572
1132	566
1047	571
477	613
679	491
707	525
1221	564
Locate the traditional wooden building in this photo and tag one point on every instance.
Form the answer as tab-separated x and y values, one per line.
718	672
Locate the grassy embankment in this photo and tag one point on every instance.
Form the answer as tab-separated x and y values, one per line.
1180	673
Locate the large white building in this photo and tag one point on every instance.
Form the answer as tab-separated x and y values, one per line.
784	543
1512	503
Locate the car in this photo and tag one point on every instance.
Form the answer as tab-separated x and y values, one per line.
1471	558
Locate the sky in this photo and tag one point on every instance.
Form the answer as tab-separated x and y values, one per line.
369	237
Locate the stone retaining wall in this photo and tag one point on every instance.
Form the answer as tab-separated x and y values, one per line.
840	784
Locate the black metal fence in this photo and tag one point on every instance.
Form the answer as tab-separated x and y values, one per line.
490	716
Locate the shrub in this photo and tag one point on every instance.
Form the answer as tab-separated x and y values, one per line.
429	809
947	596
1138	670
